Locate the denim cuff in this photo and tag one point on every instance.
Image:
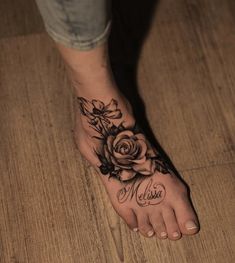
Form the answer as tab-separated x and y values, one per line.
77	43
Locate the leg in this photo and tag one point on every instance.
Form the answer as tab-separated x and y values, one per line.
142	188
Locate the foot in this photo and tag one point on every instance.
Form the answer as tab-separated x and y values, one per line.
143	189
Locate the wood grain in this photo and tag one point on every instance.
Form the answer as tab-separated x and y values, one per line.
53	207
19	17
191	70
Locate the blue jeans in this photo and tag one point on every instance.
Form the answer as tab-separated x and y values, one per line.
79	24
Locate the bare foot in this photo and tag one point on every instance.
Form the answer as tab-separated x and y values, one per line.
141	186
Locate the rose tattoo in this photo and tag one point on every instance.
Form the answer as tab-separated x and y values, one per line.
130	154
123	152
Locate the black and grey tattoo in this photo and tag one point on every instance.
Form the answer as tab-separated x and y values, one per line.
144	192
124	152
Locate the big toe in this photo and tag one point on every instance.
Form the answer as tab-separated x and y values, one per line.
186	217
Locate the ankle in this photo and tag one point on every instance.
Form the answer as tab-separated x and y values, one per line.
88	67
93	84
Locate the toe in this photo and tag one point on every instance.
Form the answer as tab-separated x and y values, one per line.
130	218
158	225
172	227
186	217
144	225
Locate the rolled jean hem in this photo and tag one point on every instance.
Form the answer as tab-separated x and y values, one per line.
78	43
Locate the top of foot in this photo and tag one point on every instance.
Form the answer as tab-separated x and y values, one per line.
142	188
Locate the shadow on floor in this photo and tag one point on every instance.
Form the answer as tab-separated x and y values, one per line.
130	26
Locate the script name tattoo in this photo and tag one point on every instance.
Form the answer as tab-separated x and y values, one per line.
144	192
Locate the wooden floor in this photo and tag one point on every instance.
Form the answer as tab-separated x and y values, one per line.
52	205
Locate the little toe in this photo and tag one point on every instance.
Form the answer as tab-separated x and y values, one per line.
145	226
172	227
158	225
186	217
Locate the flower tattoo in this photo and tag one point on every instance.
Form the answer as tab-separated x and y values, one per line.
123	152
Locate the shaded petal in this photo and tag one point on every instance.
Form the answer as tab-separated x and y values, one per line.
98	104
123	134
103	118
139	161
124	161
124	143
122	156
88	114
110	143
147	168
112	106
150	153
113	114
135	150
140	136
143	149
127	175
86	107
114	161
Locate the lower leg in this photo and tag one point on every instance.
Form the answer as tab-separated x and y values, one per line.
90	71
91	76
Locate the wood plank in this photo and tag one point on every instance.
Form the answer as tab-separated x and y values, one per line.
53	205
186	77
19	17
212	190
33	191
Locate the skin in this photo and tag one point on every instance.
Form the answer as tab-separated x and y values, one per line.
154	204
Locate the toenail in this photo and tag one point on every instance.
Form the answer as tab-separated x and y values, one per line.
163	234
191	225
175	234
150	233
135	229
